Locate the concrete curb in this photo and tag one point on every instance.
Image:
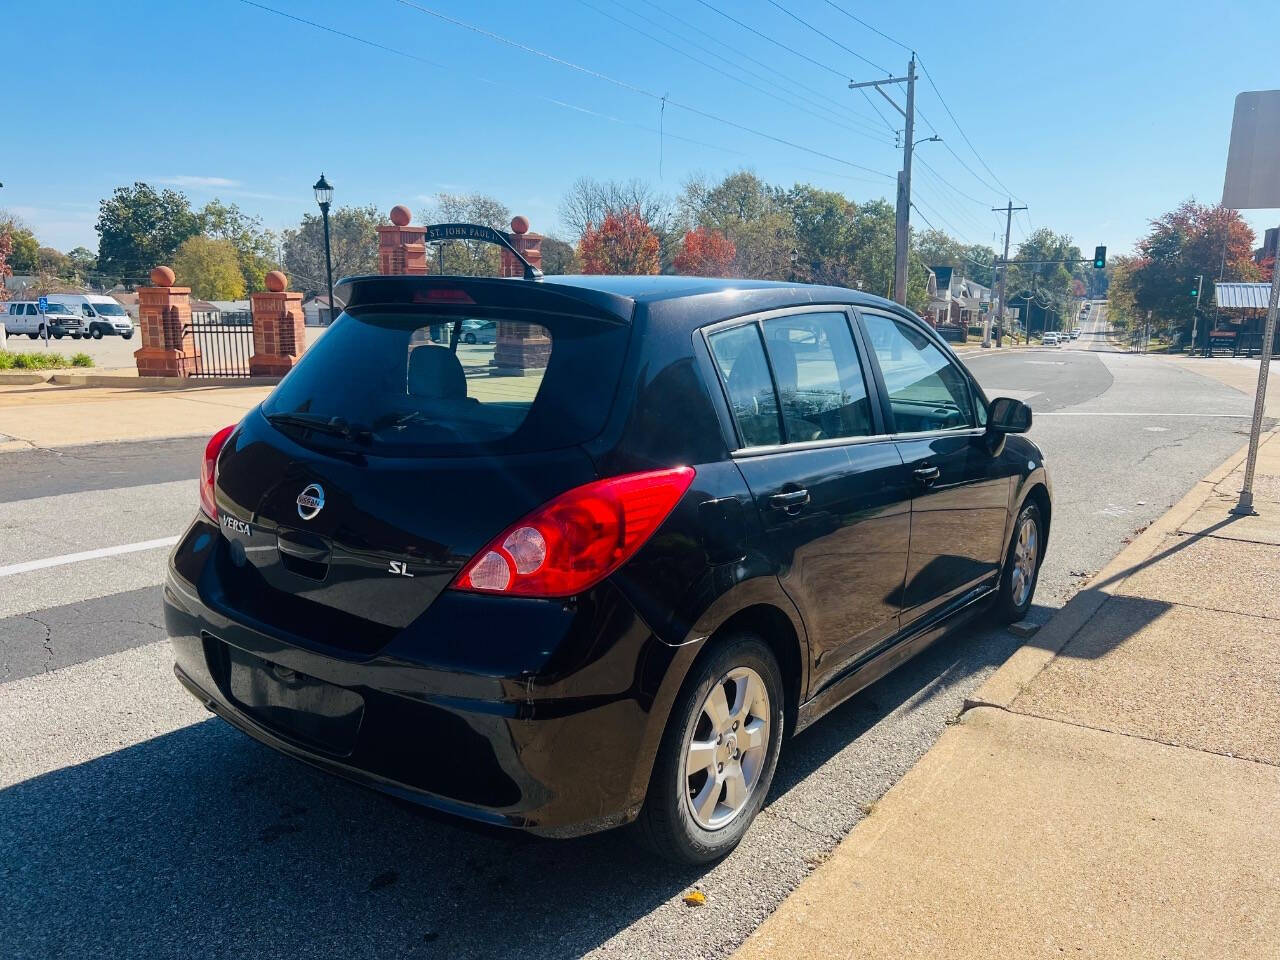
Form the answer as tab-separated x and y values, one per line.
167	383
23	378
1013	676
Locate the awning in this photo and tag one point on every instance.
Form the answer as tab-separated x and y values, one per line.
1242	296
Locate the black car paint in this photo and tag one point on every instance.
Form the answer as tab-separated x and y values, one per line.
547	714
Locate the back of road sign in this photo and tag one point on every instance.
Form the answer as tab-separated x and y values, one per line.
1253	159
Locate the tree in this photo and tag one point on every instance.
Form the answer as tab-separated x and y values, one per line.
1122	307
558	257
821	222
255	246
353	233
54	262
210	267
140	228
752	214
6	248
589	201
623	243
84	263
705	253
24	257
466	258
1189	241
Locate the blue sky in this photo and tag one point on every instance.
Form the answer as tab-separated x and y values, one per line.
1098	117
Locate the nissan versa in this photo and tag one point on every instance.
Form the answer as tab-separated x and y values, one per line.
590	573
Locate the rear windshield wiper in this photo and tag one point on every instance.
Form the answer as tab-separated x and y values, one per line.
334	426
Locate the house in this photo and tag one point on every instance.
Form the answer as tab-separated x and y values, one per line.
317	312
957	301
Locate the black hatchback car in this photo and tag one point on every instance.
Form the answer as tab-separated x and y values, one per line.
592	572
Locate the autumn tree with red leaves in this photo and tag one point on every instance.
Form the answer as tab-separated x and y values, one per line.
705	253
623	243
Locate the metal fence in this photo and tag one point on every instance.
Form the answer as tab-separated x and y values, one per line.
222	347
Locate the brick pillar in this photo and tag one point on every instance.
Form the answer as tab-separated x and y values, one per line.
279	331
402	248
521	350
164	311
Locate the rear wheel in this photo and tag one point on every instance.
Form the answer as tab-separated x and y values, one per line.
1021	566
468	338
33	335
718	754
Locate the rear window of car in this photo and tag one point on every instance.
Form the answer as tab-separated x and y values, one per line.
405	383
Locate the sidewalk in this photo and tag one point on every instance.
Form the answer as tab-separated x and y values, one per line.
45	415
1112	791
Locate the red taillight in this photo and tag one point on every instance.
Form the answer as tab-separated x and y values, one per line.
579	538
207	466
443	295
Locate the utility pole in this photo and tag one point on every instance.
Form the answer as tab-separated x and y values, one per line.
902	223
1004	270
1195	316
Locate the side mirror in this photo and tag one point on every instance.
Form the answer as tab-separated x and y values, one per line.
1007	415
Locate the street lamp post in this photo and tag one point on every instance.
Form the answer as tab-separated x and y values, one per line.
324	194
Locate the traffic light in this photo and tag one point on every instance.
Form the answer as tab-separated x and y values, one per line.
1195	286
1099	257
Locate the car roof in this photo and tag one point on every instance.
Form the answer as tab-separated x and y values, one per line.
615	297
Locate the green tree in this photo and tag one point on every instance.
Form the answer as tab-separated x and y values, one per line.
84	262
255	246
24	257
140	228
558	257
353	238
466	258
53	262
210	267
822	225
752	214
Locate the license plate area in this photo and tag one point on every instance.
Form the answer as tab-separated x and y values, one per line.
302	708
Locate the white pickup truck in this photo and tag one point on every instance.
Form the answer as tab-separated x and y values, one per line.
24	316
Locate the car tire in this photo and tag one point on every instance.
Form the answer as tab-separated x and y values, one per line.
127	336
468	338
97	333
33	336
75	336
668	824
57	335
1021	572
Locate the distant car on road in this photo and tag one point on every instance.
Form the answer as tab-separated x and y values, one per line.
1075	333
605	592
479	331
1051	340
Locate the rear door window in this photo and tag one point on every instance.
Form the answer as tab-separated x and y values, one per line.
739	355
819	378
926	389
406	383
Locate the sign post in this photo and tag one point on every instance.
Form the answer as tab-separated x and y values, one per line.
1253	183
43	304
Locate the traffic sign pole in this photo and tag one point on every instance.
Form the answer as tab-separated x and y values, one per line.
1245	506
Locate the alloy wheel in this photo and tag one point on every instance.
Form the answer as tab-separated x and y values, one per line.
1026	552
726	751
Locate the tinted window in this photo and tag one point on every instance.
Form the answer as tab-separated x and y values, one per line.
31	310
405	384
926	390
819	380
740	356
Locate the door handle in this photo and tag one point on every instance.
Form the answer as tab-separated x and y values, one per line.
790	501
927	474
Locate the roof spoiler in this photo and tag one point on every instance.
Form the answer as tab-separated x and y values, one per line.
440	232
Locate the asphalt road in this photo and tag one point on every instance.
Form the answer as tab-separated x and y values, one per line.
131	824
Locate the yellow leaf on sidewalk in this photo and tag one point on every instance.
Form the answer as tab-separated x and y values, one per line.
695	898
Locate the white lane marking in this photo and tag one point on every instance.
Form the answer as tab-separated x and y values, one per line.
29	565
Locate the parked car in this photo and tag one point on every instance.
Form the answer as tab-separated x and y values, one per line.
103	315
602	593
1075	333
1051	340
479	331
24	316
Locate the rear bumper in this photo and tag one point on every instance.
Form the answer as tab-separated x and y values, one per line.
560	747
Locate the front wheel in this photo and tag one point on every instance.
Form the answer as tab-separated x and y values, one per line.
127	336
97	333
1021	566
468	338
718	754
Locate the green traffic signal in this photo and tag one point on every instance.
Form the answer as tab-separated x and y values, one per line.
1099	257
1195	291
1195	286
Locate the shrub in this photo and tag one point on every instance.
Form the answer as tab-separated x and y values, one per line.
81	360
10	360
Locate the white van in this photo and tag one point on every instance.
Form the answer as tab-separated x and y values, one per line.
102	315
24	316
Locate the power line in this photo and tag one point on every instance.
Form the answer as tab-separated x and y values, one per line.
746	56
777	43
836	6
752	86
849	50
625	85
483	79
943	101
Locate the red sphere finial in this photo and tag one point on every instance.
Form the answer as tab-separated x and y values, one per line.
276	281
162	276
519	224
400	215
